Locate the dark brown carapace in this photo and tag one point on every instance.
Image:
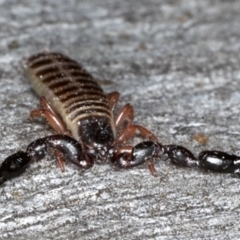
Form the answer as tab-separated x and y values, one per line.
81	115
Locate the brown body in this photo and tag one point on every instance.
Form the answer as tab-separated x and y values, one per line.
75	105
74	95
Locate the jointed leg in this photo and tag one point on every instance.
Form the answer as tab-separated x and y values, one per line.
128	156
131	130
51	116
113	99
126	115
60	159
124	120
54	121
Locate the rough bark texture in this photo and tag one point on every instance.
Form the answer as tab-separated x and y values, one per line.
177	62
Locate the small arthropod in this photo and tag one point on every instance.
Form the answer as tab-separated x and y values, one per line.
81	115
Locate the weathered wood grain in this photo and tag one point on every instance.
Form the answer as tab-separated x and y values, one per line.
178	63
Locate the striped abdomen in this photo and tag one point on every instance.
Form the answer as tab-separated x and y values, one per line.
74	95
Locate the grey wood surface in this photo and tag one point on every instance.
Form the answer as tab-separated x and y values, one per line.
178	63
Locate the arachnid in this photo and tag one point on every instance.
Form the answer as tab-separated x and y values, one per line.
86	130
81	114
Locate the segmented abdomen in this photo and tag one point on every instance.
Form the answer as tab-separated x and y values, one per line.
70	89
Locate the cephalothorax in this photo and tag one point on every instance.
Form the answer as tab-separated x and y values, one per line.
81	115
